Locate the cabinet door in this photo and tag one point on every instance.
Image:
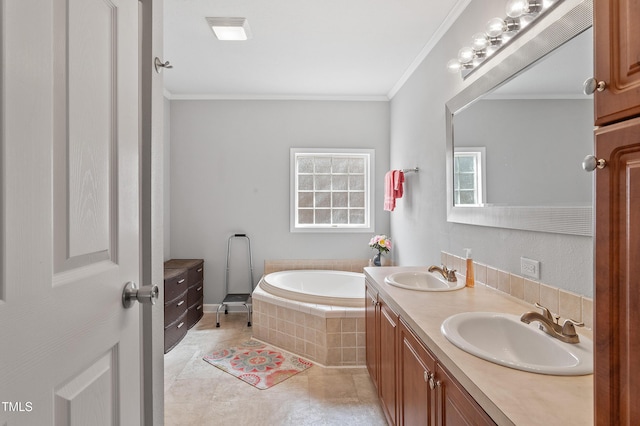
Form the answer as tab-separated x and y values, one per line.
455	406
371	334
416	404
617	59
388	360
617	252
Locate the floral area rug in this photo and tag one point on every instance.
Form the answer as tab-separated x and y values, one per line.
258	364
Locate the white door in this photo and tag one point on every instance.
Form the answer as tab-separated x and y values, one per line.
69	351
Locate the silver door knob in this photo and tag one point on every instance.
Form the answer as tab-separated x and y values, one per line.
145	294
591	85
590	163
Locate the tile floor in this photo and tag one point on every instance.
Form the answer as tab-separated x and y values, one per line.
197	393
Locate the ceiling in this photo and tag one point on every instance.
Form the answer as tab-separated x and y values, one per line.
306	49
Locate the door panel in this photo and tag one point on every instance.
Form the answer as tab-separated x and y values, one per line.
617	59
70	351
617	250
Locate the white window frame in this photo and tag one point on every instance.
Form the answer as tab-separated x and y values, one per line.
479	155
369	190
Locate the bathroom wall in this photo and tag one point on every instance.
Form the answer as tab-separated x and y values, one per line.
419	225
230	173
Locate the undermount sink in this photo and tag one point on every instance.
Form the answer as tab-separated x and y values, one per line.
503	339
422	281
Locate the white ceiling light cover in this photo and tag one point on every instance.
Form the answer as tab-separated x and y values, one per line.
230	29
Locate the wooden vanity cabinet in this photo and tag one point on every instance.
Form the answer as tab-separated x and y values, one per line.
454	404
617	213
371	334
388	335
413	387
417	368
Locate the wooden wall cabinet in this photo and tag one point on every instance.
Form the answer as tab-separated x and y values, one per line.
617	213
413	387
617	59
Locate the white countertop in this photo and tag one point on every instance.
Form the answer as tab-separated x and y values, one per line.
509	396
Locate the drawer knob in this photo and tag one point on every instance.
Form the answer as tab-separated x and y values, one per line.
147	294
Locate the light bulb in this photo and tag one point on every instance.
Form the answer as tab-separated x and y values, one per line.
495	27
465	55
479	41
517	8
454	66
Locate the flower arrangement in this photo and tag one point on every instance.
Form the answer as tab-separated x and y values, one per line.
382	243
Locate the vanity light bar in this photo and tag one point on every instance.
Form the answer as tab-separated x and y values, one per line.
498	32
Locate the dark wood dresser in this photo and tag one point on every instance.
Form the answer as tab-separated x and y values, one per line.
184	296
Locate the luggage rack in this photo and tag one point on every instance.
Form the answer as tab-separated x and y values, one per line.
237	299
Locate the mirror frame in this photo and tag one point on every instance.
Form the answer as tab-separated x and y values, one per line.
550	31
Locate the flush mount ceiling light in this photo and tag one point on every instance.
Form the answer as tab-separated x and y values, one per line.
230	29
498	32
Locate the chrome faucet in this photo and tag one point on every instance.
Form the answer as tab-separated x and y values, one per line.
565	332
448	274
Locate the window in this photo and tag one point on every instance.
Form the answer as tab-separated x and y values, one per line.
468	176
331	190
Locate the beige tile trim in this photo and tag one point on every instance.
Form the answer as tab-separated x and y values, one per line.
564	303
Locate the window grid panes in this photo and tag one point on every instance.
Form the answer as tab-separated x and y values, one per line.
467	185
331	190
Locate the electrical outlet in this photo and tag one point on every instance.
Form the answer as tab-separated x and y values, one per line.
530	268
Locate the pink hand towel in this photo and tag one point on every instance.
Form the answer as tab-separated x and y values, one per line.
389	192
398	180
392	188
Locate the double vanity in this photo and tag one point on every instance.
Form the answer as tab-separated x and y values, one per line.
440	353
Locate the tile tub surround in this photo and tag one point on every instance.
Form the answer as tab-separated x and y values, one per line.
566	304
330	336
349	265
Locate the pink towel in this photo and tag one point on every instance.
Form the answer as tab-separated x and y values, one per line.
392	188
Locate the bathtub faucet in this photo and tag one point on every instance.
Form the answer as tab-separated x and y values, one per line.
448	274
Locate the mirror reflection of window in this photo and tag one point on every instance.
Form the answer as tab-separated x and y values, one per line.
468	176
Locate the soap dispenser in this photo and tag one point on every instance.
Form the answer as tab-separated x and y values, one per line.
470	281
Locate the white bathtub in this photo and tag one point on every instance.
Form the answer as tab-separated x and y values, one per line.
334	288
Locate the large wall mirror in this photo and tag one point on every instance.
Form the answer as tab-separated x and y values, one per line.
516	134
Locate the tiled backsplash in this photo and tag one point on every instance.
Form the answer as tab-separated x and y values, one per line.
558	301
350	265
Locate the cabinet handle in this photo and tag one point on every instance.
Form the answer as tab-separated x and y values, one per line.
199	270
434	383
591	85
199	307
590	163
199	288
181	281
427	376
181	324
180	303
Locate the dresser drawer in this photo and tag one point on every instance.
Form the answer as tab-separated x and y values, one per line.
195	293
174	333
175	308
199	272
195	313
175	283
